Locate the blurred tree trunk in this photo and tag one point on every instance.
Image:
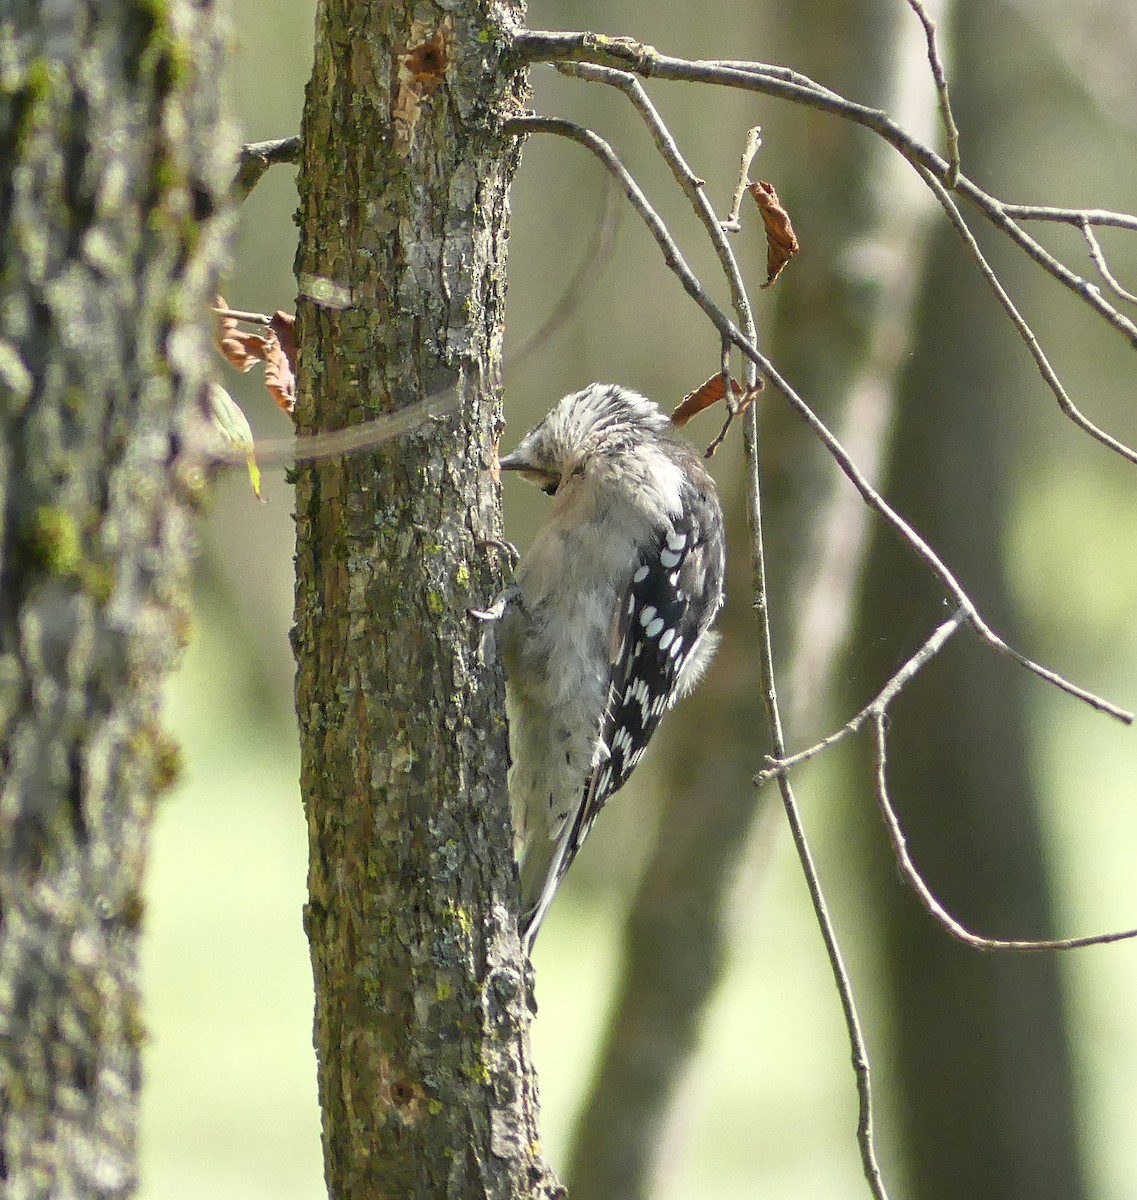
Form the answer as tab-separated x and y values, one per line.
111	167
986	1104
840	334
421	1000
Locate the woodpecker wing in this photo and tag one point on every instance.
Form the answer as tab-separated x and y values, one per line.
662	617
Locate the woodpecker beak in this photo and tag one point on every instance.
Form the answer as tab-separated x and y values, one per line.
522	465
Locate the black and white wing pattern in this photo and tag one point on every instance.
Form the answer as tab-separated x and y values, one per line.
660	646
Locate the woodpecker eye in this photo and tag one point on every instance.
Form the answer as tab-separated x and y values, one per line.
550	488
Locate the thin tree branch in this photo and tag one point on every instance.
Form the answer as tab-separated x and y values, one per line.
629	55
861	1069
695	190
674	259
1002	217
928	899
940	79
876	712
1020	323
1071	216
1098	255
935	642
731	223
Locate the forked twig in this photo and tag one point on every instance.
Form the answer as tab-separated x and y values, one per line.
1021	325
935	642
866	1140
928	899
939	78
531	45
1098	255
876	713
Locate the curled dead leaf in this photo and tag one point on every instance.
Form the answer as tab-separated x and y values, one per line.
710	393
781	241
276	348
279	378
702	397
239	349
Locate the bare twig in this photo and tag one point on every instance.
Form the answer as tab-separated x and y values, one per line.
927	897
1020	323
731	223
674	259
254	160
1002	216
695	190
876	712
1071	216
1097	254
861	1069
239	314
944	100
626	54
896	684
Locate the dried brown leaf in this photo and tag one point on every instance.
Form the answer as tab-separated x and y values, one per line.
239	349
284	326
781	241
702	397
279	375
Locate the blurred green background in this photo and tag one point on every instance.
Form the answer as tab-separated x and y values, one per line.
769	1107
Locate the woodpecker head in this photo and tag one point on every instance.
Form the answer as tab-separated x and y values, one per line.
604	419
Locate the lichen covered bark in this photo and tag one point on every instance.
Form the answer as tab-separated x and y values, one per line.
110	181
421	1014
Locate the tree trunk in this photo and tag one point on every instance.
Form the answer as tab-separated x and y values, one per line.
110	175
421	997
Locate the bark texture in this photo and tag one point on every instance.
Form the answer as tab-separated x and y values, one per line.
110	176
421	996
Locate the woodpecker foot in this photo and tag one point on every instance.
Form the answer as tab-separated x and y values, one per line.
507	596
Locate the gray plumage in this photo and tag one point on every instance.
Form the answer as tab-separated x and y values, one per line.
608	624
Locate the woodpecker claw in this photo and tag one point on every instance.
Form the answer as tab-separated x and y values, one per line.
507	596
